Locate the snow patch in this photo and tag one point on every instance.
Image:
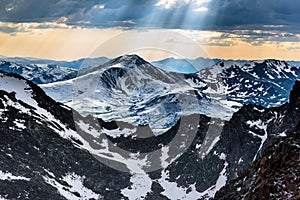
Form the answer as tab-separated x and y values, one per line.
10	177
141	185
173	191
214	142
119	132
262	126
75	184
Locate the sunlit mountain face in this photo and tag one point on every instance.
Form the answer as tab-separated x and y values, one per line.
148	100
131	89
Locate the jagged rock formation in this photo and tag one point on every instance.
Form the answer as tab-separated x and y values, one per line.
49	151
276	175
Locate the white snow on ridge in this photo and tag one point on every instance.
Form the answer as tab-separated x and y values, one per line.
117	132
9	176
260	125
113	133
198	83
164	156
173	191
141	185
88	129
24	93
213	143
222	177
75	184
18	86
20	124
61	91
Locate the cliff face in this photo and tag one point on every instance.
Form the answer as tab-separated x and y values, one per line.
276	175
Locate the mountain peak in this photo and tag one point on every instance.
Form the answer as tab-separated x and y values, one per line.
275	61
129	59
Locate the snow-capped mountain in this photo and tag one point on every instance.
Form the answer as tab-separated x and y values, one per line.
39	73
267	83
131	89
185	66
233	84
75	64
188	66
49	151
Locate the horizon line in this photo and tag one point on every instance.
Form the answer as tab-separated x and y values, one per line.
110	58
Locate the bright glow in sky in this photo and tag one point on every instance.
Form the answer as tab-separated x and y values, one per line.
70	44
71	29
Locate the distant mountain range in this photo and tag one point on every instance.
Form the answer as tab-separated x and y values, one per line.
132	89
179	65
185	65
39	73
169	64
76	64
49	151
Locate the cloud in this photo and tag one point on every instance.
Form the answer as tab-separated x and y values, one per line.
251	14
201	9
14	28
167	4
218	15
40	11
102	13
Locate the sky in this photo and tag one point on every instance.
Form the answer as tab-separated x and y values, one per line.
154	29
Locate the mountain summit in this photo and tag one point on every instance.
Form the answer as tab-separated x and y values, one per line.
132	89
128	59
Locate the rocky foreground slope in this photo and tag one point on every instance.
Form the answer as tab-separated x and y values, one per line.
276	175
48	151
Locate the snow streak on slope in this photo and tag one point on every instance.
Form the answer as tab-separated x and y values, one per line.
75	185
8	176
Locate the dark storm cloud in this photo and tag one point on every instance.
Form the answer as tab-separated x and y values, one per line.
255	14
280	15
40	10
124	13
